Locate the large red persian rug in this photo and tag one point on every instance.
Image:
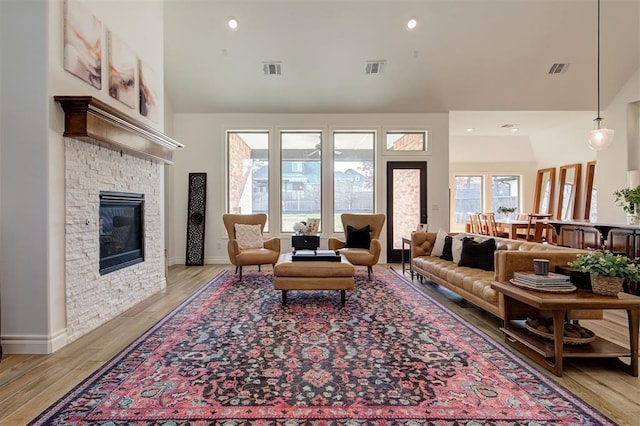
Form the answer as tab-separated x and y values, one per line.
232	355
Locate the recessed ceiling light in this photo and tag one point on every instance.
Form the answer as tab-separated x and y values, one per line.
412	23
232	23
514	129
470	129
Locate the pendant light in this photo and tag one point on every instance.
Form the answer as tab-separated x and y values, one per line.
600	137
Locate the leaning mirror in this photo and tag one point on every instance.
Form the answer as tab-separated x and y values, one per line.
543	195
569	178
590	196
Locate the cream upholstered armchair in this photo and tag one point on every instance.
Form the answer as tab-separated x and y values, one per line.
362	246
246	245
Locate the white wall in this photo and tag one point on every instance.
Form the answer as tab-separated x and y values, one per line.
562	145
203	135
490	149
32	153
611	170
25	305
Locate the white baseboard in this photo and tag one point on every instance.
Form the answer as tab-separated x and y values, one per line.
33	344
210	260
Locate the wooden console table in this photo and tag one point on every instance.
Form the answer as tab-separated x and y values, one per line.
551	353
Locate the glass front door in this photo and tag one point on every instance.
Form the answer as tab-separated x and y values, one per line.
406	203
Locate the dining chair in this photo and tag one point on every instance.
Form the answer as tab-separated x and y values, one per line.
474	221
489	220
539	229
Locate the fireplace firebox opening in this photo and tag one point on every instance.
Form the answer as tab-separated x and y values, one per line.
121	230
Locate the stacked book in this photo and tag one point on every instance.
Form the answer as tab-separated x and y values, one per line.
316	255
549	281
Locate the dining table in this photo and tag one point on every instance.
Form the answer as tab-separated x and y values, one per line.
512	227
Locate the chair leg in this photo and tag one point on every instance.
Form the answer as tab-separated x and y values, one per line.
258	268
239	273
369	271
236	269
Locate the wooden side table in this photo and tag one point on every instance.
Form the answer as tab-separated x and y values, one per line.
550	354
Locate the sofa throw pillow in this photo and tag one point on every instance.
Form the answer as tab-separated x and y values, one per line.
447	254
438	245
478	254
248	236
358	238
456	246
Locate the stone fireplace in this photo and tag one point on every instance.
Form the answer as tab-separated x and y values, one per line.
109	157
121	230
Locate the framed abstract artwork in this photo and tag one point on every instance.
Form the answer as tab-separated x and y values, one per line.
149	102
122	71
82	43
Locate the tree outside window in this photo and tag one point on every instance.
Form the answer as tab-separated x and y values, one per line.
353	174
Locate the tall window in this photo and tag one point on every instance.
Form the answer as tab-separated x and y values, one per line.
505	192
407	141
468	197
248	172
300	177
353	174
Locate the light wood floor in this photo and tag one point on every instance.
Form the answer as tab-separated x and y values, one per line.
30	383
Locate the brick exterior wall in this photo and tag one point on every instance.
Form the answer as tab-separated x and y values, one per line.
238	152
93	299
406	196
412	142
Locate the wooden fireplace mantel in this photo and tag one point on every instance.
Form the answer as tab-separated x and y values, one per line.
90	120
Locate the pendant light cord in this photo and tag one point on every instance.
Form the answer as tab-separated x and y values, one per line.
598	73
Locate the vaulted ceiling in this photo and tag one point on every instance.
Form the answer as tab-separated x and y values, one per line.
464	55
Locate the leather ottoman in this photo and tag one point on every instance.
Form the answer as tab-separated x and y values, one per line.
288	275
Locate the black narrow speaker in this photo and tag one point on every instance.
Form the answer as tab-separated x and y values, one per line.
195	219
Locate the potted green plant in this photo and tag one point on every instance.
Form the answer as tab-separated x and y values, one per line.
506	211
607	270
629	200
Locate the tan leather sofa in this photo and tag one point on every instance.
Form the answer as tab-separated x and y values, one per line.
475	284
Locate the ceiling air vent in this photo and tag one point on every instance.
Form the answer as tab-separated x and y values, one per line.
374	67
272	68
558	68
509	125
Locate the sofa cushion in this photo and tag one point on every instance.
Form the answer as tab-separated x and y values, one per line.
456	246
447	254
248	236
358	238
478	254
438	245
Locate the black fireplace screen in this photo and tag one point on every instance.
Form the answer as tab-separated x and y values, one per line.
121	230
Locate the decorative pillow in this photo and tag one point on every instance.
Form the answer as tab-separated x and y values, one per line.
358	238
478	255
456	246
248	236
447	254
438	245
